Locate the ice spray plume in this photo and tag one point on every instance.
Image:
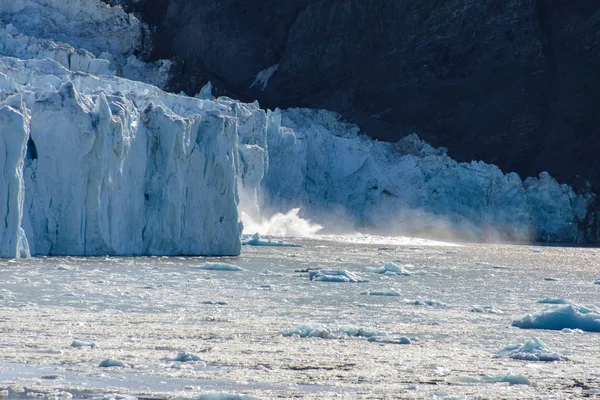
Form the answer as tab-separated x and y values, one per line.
288	224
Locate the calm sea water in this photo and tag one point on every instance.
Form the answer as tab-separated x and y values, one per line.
144	312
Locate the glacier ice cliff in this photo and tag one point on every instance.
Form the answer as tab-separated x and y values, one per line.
93	166
312	160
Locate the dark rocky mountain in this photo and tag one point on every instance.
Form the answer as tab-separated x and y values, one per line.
515	83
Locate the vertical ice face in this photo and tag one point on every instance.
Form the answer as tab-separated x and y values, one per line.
13	139
110	166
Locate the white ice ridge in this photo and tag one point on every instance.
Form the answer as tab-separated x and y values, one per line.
84	35
310	159
95	166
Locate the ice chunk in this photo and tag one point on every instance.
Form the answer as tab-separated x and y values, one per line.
109	362
391	268
571	316
77	343
334	275
532	350
219	267
258	240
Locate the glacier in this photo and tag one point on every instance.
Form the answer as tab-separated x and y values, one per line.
92	163
101	166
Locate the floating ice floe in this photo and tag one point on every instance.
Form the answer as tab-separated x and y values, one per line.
554	300
219	267
391	268
532	350
109	362
258	240
573	316
217	396
486	310
334	275
388	292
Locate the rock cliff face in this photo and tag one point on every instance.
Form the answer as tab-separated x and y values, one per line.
512	82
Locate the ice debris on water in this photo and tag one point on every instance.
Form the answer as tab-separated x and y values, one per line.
334	275
77	343
219	267
323	332
573	316
109	362
391	268
258	240
217	396
532	350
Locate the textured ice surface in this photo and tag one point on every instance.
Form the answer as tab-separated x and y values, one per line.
99	166
84	36
573	316
532	350
144	311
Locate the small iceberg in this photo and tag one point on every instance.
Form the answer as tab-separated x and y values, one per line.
334	275
219	267
532	350
109	362
556	318
554	300
391	268
258	240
